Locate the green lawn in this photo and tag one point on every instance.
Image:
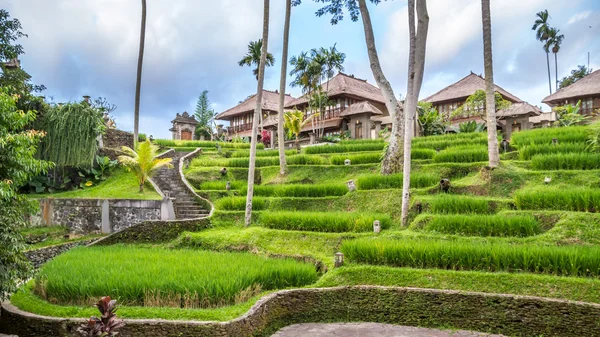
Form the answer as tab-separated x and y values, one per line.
119	185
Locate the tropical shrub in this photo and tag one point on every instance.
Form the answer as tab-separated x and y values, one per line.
569	115
323	222
461	154
566	161
355	159
188	278
431	121
579	199
107	325
455	204
483	225
528	151
471	127
143	162
377	181
441	254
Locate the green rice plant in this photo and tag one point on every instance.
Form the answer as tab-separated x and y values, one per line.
204	143
265	153
260	162
483	225
566	161
356	147
570	134
377	181
206	161
361	141
221	185
299	190
422	153
305	159
578	199
457	204
323	222
449	140
528	151
239	204
457	255
462	154
165	277
357	159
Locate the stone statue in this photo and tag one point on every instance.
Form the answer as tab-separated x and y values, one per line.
351	185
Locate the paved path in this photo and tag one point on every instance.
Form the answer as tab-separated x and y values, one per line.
369	330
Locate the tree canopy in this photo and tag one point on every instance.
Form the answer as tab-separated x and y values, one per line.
576	74
252	57
204	114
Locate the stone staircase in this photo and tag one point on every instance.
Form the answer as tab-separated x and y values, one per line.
186	204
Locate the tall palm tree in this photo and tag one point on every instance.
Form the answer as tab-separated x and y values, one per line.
143	162
334	61
542	33
416	68
490	99
555	40
257	112
282	79
305	72
252	57
138	81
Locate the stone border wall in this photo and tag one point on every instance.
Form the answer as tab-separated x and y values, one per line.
105	215
116	139
154	231
505	314
184	161
42	255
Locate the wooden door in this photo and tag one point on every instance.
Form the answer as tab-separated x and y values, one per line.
186	135
358	133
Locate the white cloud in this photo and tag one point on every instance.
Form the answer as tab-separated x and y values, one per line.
579	17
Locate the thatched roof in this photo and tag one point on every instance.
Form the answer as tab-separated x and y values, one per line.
586	86
270	101
361	107
385	120
519	110
330	123
544	117
185	118
342	84
465	88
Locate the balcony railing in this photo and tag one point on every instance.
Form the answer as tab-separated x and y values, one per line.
240	128
330	113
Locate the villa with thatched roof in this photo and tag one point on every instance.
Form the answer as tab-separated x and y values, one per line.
586	90
240	117
516	117
354	105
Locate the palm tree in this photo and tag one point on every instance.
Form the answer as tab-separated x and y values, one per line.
252	57
294	122
282	79
305	72
416	68
542	34
143	162
257	112
334	60
138	81
490	99
555	40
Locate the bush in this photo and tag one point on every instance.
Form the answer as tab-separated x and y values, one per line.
566	161
189	278
377	182
299	190
578	199
483	225
355	147
420	253
528	151
323	222
462	154
357	159
455	204
422	153
239	204
571	134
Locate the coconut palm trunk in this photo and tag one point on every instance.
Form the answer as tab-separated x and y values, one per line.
556	70
284	57
549	78
490	103
138	81
392	162
257	113
416	68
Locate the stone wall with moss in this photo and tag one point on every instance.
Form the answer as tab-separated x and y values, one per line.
116	139
504	314
155	231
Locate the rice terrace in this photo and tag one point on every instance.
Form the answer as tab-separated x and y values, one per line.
329	206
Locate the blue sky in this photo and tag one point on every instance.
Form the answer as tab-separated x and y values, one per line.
79	47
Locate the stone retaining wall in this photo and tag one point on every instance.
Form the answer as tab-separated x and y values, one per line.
504	314
115	139
155	231
101	215
43	255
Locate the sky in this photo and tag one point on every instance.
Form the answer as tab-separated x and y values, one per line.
90	47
